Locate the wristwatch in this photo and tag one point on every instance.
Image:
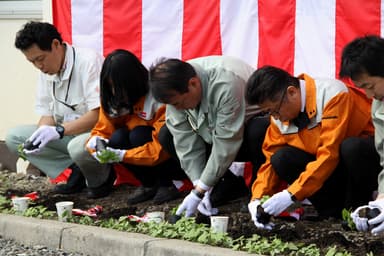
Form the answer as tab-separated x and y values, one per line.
60	130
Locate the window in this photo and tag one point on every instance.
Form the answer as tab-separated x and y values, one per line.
18	9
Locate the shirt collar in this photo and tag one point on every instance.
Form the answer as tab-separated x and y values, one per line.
302	91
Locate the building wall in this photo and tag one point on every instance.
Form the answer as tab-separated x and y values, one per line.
18	76
18	81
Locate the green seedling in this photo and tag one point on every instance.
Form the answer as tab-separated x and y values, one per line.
20	151
107	156
347	222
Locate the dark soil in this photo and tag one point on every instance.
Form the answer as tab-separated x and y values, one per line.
323	233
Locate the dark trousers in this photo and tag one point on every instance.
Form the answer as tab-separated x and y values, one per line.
289	162
362	164
250	151
159	175
350	185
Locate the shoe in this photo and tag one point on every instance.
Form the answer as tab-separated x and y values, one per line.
166	194
75	182
228	188
104	189
141	194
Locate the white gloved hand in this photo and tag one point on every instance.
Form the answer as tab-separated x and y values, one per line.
379	219
360	222
43	135
189	205
205	206
252	207
278	203
91	144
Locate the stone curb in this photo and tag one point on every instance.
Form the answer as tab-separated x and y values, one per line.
96	241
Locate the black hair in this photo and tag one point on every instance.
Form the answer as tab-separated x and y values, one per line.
123	81
268	83
169	76
40	33
363	55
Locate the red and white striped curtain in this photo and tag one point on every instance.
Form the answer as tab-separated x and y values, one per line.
298	36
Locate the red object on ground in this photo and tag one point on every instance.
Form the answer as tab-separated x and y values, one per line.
63	177
124	176
91	212
33	195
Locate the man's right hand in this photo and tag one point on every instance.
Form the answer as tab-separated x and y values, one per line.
252	207
189	205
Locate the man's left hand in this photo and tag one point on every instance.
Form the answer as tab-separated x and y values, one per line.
205	206
278	203
43	135
379	219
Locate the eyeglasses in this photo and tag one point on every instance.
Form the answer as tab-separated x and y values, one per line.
276	112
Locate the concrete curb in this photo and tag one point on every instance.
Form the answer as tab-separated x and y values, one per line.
96	241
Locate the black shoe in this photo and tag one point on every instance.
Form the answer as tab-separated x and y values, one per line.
228	188
141	194
75	182
105	189
166	194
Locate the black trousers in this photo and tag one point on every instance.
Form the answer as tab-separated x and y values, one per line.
350	185
362	164
250	150
159	175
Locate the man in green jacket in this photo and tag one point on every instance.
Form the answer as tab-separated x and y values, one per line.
363	61
206	113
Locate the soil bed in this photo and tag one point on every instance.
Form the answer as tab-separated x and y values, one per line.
323	233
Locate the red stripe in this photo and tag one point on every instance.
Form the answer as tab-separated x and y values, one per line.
201	29
122	26
355	18
62	18
277	33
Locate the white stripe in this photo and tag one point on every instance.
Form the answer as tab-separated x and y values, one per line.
87	24
162	30
240	29
382	19
315	38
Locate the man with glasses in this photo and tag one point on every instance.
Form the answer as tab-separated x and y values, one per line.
311	118
205	117
67	100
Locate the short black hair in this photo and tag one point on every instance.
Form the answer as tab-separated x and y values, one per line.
168	76
123	80
363	55
268	83
40	33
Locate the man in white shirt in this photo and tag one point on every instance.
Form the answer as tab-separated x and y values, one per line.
67	100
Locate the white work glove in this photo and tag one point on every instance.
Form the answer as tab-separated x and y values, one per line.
379	219
361	223
119	155
42	135
278	203
205	206
189	205
91	144
252	207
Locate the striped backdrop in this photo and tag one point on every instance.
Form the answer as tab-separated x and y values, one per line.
298	36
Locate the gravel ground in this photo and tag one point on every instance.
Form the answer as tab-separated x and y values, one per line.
11	248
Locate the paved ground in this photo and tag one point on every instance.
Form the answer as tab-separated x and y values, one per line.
96	241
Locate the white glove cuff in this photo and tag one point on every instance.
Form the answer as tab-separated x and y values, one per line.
200	184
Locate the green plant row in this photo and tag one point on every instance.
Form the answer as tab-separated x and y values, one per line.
186	229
